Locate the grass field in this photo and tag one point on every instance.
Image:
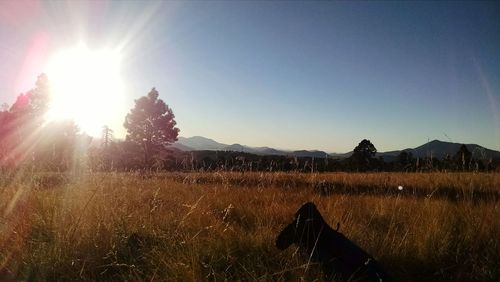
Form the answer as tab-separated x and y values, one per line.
218	226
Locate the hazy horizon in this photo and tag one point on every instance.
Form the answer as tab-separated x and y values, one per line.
287	75
338	152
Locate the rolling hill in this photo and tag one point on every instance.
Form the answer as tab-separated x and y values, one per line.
199	143
436	149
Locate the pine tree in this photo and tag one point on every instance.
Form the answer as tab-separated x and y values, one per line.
151	125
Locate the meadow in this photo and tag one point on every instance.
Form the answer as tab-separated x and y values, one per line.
222	226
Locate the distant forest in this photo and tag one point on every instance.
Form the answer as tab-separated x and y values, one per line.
27	140
405	162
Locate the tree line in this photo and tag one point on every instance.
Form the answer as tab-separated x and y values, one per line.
363	159
27	140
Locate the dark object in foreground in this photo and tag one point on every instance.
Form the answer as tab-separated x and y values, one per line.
339	257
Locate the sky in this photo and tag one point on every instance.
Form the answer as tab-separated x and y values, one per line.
288	75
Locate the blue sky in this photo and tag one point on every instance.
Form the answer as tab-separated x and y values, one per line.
290	75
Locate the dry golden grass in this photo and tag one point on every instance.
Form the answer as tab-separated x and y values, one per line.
216	226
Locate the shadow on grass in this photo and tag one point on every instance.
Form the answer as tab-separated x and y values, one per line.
449	193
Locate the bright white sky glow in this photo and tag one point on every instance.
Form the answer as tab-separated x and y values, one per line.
86	87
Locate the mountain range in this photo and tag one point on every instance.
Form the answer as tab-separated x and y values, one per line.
436	149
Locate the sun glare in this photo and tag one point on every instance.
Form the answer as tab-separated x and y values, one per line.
86	86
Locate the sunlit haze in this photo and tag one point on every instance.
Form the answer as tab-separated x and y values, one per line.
288	75
86	86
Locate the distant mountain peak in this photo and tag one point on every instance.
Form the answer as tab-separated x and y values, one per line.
436	148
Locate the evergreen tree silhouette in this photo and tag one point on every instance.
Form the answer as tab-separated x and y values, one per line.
151	125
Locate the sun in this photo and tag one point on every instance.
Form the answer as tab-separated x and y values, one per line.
86	86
